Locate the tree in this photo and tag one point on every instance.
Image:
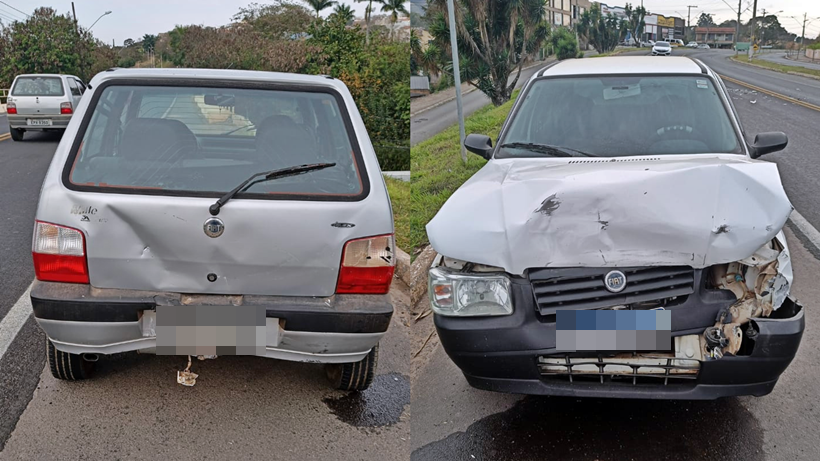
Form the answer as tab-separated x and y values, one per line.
705	20
280	19
344	13
367	13
319	5
563	43
149	42
602	32
394	7
128	43
495	38
634	22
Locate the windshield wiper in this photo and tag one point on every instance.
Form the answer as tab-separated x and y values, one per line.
267	176
555	151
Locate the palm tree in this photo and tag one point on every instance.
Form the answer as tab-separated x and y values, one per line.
319	5
344	13
367	12
394	7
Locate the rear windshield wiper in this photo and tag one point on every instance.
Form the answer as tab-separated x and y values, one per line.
555	151
267	176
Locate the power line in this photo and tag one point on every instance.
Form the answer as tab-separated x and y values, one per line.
15	9
7	18
11	15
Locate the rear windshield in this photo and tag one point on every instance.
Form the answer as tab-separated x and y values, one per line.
38	86
661	43
209	140
623	116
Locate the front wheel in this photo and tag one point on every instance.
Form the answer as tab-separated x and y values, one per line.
355	376
65	366
16	134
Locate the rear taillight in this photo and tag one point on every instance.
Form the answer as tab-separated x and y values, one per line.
59	254
65	108
11	108
367	266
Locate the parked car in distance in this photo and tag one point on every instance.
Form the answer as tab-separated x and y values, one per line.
215	212
619	258
675	42
704	46
661	49
692	44
42	102
648	43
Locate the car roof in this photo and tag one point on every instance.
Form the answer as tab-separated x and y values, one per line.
44	75
637	65
213	74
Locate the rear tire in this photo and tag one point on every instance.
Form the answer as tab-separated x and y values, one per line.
65	366
16	134
355	376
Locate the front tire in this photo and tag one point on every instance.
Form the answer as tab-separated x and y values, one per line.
16	134
355	376
65	366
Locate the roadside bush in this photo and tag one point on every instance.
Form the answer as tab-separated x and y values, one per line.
564	44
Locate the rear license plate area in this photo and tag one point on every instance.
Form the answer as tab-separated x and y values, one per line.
38	122
211	330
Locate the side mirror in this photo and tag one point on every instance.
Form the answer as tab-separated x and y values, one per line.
766	143
479	144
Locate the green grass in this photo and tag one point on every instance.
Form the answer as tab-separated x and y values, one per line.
778	67
400	198
437	170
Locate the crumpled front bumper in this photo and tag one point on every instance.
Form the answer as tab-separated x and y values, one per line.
82	319
501	354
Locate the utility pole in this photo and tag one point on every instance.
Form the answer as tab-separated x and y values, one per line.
752	31
689	17
457	77
737	26
802	37
76	26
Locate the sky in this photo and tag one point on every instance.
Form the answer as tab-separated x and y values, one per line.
721	11
135	18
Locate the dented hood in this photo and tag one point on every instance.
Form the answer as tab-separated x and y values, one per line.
693	210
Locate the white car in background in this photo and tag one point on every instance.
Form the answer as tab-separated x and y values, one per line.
42	102
661	49
692	45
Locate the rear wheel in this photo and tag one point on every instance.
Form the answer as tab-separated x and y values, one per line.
69	367
355	376
16	134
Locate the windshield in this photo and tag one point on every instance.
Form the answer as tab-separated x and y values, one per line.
192	139
661	43
38	86
622	116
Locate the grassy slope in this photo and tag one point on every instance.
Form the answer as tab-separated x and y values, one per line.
437	170
400	198
778	67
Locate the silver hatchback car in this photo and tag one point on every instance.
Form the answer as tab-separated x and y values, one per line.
42	102
215	212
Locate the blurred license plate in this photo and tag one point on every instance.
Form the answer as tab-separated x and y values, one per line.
38	122
211	330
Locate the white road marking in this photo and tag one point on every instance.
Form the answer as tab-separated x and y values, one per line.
812	234
14	321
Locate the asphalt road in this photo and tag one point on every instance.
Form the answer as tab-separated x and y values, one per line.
453	421
240	408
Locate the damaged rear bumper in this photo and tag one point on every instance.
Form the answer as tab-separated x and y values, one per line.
338	329
503	354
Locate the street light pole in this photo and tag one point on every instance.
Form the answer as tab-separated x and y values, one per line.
104	14
457	77
737	26
689	17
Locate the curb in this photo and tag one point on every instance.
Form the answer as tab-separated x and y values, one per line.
471	89
799	74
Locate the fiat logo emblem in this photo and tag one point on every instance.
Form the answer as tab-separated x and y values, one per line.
615	281
214	227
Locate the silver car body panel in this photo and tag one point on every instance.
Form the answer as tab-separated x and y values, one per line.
269	247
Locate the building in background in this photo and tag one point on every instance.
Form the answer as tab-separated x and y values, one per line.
717	37
566	12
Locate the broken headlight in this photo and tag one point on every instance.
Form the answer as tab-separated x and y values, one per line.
459	294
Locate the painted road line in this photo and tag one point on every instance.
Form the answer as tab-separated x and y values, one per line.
14	321
772	93
805	227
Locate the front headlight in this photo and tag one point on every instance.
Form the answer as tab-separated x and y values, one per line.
461	294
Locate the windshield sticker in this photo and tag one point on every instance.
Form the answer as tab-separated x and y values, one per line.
703	84
622	91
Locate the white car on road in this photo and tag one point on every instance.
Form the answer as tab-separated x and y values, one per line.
42	102
661	49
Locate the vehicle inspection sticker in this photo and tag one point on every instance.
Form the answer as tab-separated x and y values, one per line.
703	84
614	330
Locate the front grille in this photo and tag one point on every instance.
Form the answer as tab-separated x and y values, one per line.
634	368
583	288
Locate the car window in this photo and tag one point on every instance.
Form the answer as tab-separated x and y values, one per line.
38	86
72	85
621	116
80	85
193	139
661	43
